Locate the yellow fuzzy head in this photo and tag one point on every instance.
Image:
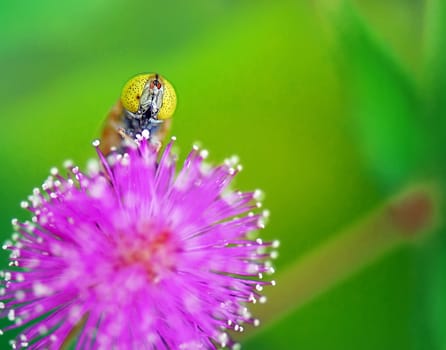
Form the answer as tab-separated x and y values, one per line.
132	91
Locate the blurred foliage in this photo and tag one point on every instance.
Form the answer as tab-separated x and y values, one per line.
331	107
384	102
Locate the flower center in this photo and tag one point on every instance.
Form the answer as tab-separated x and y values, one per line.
155	252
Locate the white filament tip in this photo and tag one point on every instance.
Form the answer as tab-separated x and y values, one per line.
145	134
204	154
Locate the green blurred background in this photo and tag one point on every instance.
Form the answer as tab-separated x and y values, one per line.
332	107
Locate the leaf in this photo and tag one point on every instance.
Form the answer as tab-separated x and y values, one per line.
385	104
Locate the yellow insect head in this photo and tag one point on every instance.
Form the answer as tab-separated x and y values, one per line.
133	94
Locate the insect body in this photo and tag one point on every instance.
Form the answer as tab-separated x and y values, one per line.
147	102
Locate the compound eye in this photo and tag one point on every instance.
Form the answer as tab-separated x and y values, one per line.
158	85
169	100
132	91
152	85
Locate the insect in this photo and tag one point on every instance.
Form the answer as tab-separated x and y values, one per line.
147	102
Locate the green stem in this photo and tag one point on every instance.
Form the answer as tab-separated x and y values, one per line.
403	219
67	344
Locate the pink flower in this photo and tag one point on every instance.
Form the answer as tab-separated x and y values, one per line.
134	256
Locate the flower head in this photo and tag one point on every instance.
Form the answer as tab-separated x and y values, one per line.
131	255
